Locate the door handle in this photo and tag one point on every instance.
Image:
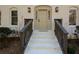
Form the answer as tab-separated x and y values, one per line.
38	20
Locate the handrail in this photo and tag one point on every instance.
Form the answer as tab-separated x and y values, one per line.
61	35
25	34
26	25
61	27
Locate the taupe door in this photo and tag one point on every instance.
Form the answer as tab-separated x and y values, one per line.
42	19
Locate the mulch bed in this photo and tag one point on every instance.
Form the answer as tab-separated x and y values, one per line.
10	45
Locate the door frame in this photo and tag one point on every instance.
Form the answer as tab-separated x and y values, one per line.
49	8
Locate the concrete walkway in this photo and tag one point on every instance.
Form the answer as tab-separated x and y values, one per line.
43	43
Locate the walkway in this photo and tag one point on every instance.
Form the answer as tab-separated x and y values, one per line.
43	43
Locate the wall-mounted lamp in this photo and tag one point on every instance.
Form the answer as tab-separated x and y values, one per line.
56	9
29	10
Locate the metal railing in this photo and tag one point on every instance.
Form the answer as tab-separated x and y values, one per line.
61	35
25	34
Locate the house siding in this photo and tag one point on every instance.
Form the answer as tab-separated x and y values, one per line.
23	14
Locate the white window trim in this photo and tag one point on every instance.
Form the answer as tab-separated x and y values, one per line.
74	8
11	9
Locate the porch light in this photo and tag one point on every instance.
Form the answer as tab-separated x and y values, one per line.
56	9
29	10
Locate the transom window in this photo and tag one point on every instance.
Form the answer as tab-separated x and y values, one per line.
72	16
14	17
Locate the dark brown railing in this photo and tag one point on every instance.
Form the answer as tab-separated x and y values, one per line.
61	35
25	34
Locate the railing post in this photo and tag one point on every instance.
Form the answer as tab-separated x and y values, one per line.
65	43
22	40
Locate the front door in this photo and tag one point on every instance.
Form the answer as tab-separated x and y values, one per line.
42	19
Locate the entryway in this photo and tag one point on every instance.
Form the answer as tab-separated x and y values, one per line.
43	18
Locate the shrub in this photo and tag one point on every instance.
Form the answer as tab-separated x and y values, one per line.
77	29
13	31
4	31
71	49
3	35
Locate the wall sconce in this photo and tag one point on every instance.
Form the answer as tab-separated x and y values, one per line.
29	10
56	9
36	15
49	14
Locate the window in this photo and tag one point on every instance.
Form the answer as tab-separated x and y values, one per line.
72	17
14	17
0	18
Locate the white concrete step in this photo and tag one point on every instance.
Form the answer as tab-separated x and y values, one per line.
43	43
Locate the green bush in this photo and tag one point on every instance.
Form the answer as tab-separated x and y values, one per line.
5	31
3	35
71	49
